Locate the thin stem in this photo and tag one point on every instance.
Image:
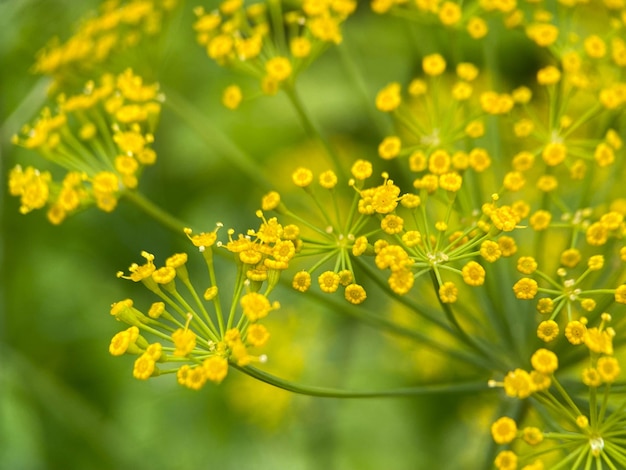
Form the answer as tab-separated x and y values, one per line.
312	130
431	389
215	138
154	211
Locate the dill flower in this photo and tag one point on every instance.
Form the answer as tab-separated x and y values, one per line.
334	239
580	432
196	337
101	136
115	28
265	39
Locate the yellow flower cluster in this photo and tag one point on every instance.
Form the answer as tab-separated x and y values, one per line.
194	337
566	291
587	435
264	41
101	136
266	251
470	19
117	26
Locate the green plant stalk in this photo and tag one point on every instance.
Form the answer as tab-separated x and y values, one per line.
312	130
216	139
154	211
430	389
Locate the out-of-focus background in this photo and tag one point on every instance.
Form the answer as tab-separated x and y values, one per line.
66	403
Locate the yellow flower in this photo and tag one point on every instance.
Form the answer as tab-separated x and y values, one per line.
575	332
144	367
547	330
532	435
448	292
302	177
232	96
490	250
526	265
504	430
595	47
355	294
257	335
548	75
608	369
449	13
301	281
525	288
390	147
328	281
506	460
477	27
554	153
278	68
184	340
361	169
392	224
517	383
473	274
433	64
215	368
542	34
300	47
389	97
540	220
255	306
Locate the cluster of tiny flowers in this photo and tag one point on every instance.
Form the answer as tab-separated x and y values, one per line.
486	170
425	129
117	26
471	18
195	336
451	224
579	436
338	238
101	136
567	292
266	252
269	40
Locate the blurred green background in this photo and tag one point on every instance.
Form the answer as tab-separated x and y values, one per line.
66	403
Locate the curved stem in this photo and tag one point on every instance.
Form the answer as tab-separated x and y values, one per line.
154	211
430	389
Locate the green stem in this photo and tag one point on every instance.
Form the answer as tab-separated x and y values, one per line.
154	211
431	389
312	130
216	139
